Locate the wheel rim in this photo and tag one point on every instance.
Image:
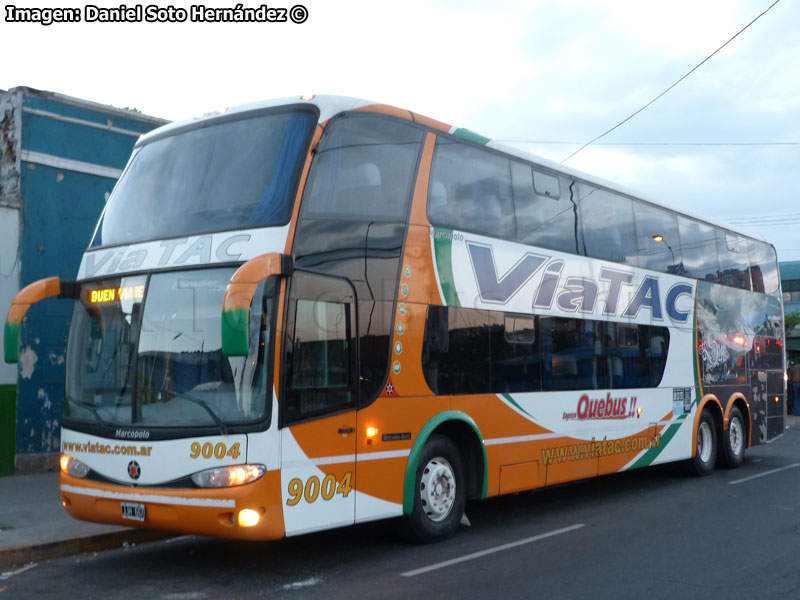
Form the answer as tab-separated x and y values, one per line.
704	442
736	436
437	489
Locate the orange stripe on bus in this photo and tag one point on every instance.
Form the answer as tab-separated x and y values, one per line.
387	109
419	205
201	520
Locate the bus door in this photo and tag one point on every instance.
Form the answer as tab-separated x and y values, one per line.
318	405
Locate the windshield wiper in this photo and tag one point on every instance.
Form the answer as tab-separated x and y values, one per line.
91	409
223	428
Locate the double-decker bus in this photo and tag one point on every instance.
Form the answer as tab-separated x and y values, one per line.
307	313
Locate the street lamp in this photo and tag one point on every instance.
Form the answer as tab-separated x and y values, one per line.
660	239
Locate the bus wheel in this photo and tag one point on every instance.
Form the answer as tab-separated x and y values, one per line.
733	443
439	492
706	453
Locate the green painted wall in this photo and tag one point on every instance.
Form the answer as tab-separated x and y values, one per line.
8	411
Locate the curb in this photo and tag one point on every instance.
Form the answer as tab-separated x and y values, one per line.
13	556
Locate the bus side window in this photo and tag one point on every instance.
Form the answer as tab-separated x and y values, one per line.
572	354
470	189
627	355
698	249
734	264
363	169
456	350
657	238
437	201
516	359
608	231
543	208
763	267
659	347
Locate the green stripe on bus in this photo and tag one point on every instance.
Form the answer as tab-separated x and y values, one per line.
471	136
235	332
649	456
11	342
696	353
410	482
517	406
443	246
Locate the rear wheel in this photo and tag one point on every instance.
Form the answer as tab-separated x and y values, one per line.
733	440
706	452
439	492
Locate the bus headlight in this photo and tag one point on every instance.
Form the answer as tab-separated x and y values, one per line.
72	466
228	476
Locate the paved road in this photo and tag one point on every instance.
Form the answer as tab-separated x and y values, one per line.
654	533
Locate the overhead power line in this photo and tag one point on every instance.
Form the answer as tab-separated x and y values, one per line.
701	63
566	143
766	222
784	224
773	216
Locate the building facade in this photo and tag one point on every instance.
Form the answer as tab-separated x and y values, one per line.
59	160
790	284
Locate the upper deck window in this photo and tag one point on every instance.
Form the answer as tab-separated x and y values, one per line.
608	230
470	190
763	267
363	169
231	173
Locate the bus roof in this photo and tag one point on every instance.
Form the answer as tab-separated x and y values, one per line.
330	105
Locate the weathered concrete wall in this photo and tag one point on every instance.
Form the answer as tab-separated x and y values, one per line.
10	132
69	153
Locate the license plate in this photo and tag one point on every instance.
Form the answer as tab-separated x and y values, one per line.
133	511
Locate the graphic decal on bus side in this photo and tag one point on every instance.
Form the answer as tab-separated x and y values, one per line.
322	492
729	323
111	458
232	246
511	277
599	448
484	273
604	408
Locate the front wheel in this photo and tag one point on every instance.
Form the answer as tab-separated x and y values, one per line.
733	440
706	452
439	492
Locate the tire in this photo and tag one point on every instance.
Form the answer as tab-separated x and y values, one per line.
732	441
439	492
705	455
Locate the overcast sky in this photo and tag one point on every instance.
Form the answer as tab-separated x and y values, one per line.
528	71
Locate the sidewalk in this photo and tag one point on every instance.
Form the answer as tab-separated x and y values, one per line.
34	526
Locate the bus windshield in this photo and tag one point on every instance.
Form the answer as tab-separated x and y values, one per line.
147	351
234	173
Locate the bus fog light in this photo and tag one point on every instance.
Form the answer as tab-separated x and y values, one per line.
72	466
228	476
248	517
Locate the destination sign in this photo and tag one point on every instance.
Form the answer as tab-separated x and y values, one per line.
103	295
